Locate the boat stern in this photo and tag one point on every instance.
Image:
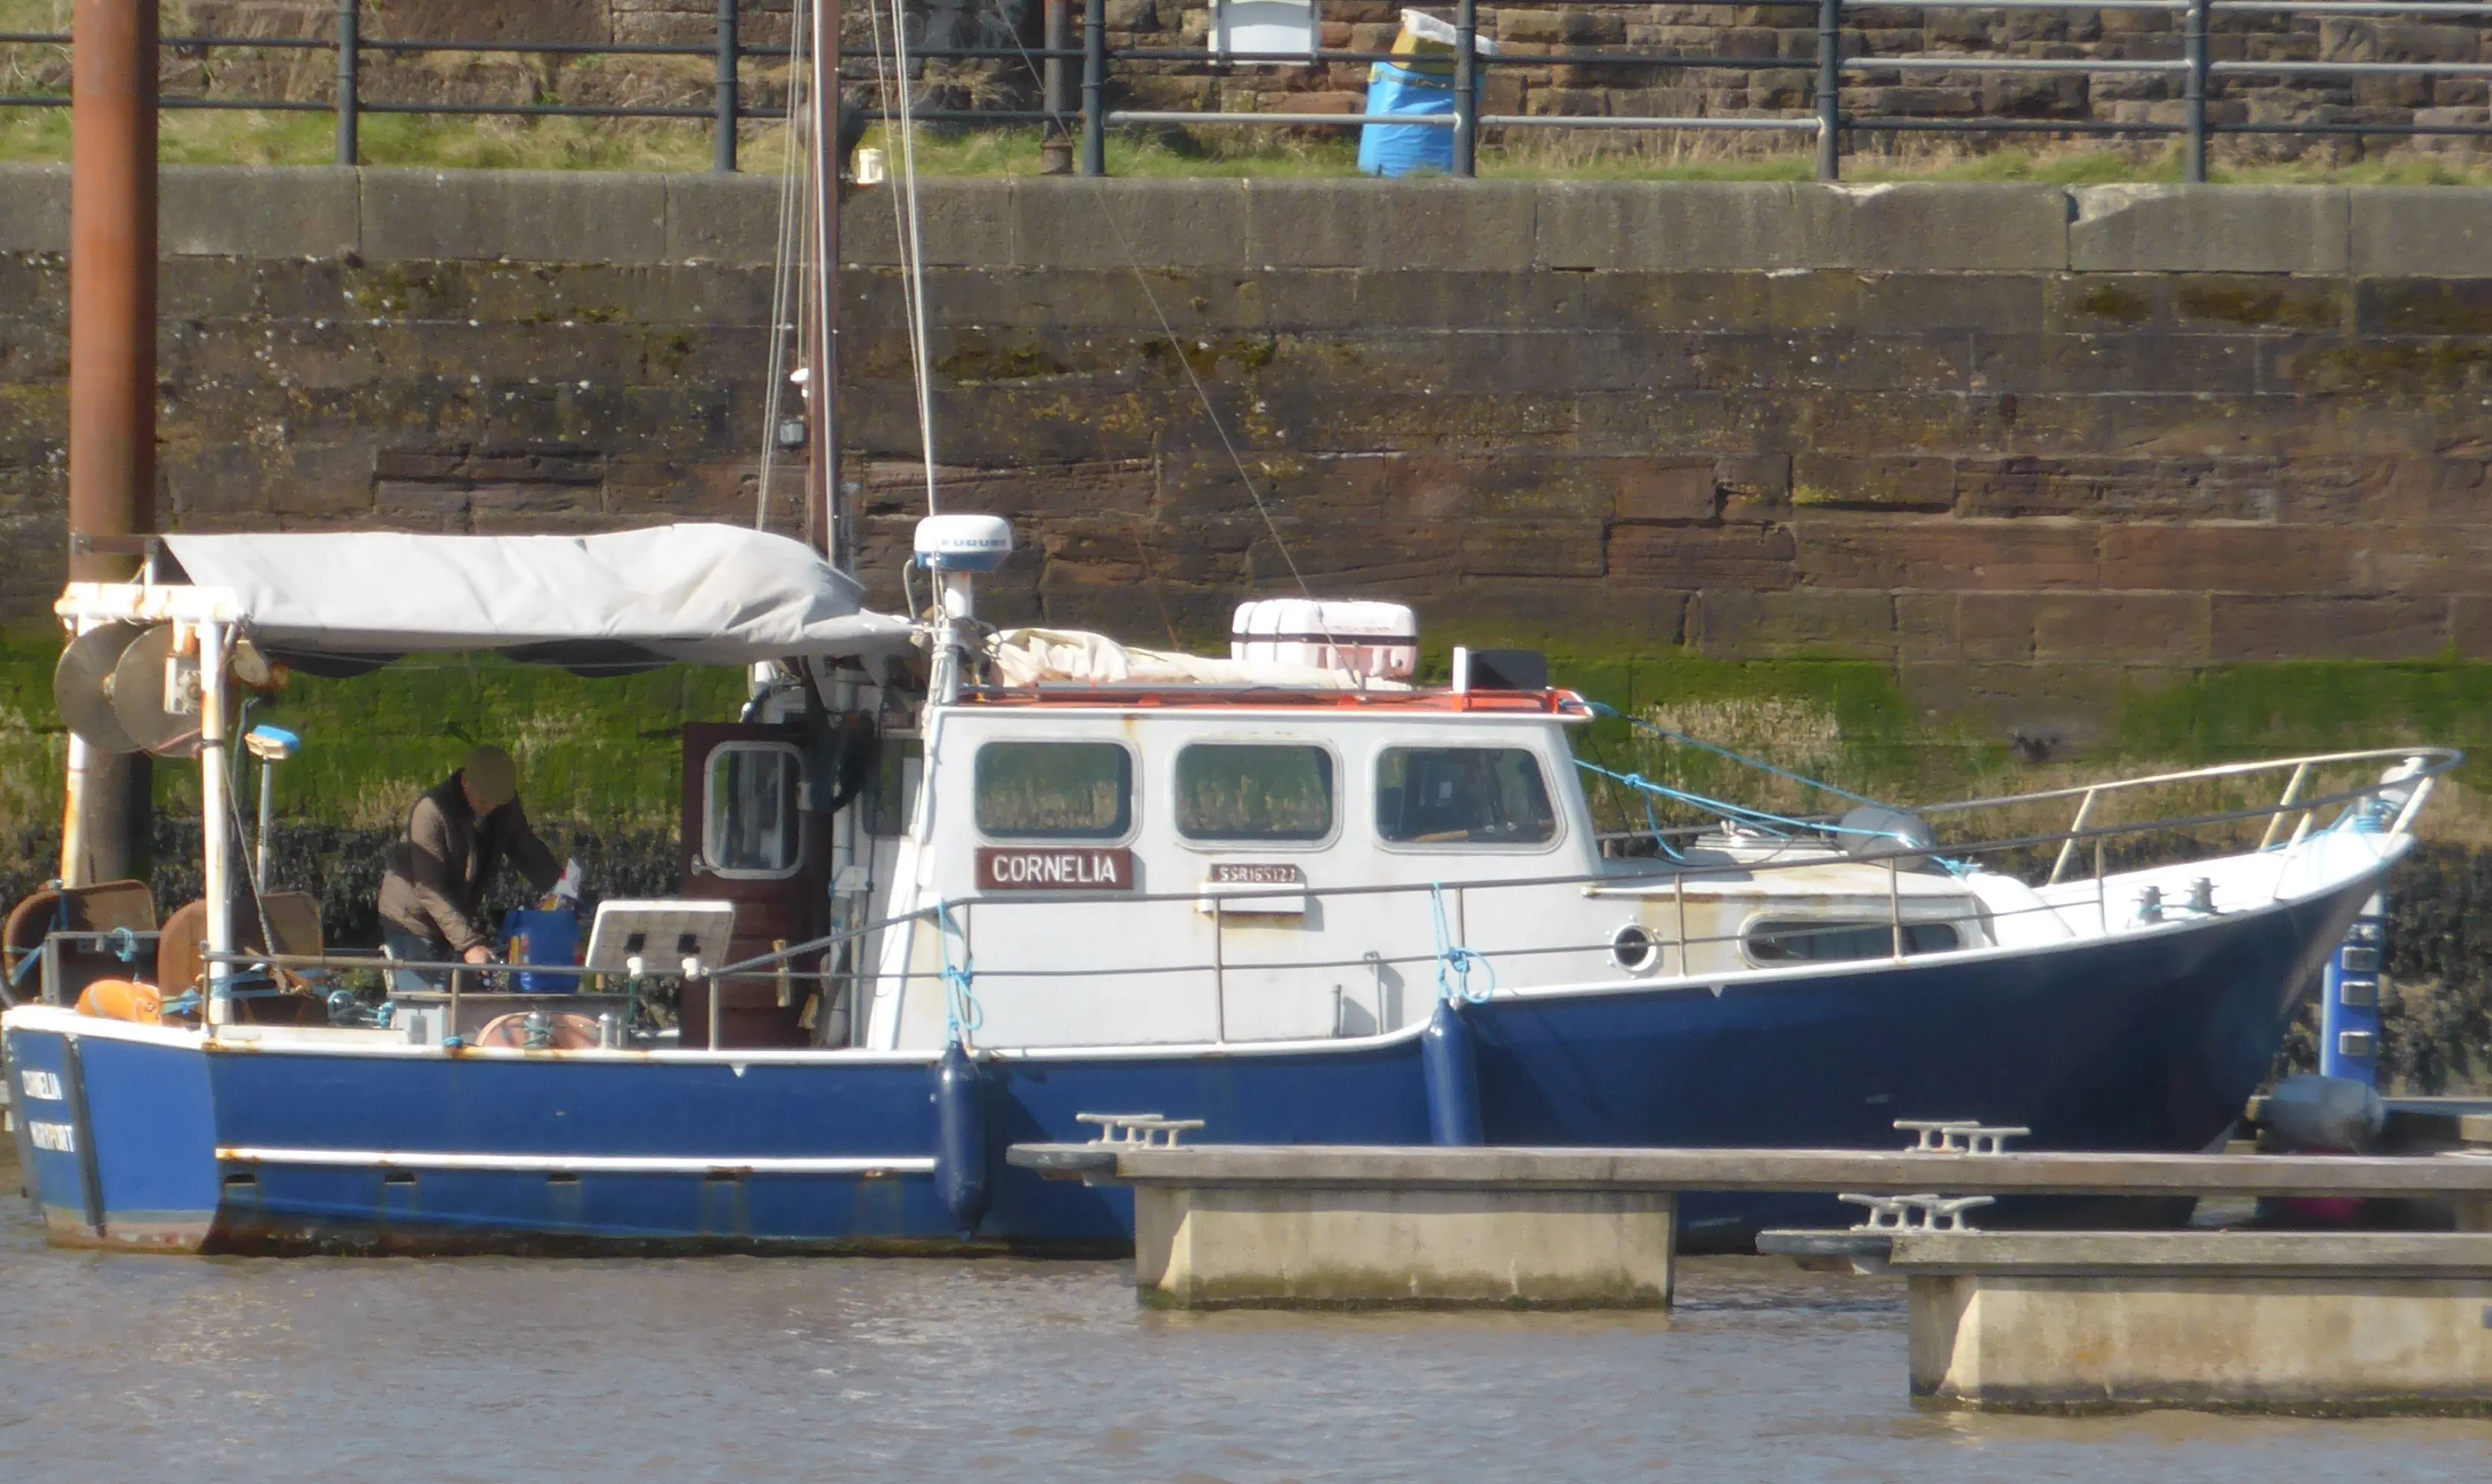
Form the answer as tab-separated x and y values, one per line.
116	1129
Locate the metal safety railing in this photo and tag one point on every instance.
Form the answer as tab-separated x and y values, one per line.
1676	946
1840	54
1681	950
351	47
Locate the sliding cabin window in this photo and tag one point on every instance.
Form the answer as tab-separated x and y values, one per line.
1462	795
1770	941
1253	792
751	826
1054	790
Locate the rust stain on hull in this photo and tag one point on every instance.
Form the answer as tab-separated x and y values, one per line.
263	1237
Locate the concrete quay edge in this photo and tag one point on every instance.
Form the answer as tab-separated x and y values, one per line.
1263	224
2261	1253
1788	1171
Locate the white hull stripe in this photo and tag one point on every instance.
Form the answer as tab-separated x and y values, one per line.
571	1164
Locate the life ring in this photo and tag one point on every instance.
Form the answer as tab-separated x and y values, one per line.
122	999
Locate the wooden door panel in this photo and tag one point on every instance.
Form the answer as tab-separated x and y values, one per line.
766	830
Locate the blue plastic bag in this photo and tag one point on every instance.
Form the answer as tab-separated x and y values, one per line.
1393	150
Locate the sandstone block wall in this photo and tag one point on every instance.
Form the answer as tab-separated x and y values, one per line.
2025	449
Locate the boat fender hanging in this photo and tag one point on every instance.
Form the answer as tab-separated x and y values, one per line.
961	1161
1450	1066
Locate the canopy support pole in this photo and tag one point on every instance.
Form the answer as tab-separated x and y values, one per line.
216	810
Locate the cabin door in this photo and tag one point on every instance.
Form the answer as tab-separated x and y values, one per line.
749	839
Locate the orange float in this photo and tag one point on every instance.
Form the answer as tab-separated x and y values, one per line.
122	999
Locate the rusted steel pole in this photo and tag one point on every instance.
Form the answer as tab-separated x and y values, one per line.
822	318
112	364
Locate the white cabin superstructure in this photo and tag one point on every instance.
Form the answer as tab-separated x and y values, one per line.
1200	854
1230	865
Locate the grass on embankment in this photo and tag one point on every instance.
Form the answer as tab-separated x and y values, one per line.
259	138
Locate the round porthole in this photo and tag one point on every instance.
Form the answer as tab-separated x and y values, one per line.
1634	949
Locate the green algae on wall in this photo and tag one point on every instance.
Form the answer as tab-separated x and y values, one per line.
2228	711
600	751
605	750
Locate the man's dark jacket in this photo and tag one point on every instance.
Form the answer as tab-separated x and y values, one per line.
437	875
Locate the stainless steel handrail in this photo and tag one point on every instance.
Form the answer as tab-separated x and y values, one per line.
1643	884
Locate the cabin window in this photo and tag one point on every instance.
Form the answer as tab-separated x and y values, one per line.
1462	795
751	826
1054	790
1246	792
1789	941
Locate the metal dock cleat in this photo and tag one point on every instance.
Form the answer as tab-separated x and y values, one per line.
1144	1131
1897	1213
1949	1135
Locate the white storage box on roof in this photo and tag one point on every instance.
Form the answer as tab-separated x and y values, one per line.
1377	641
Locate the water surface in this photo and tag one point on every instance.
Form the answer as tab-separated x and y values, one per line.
126	1366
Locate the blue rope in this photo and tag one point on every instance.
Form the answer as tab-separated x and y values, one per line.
1454	961
60	924
963	1016
1736	813
1779	825
1742	759
123	944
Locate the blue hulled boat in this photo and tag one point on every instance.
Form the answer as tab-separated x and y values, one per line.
947	889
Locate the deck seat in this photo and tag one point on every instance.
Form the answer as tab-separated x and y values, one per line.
102	907
293	917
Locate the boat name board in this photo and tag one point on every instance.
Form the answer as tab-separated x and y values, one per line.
40	1083
57	1138
1010	868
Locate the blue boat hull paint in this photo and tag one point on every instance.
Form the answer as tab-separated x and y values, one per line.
139	1150
1450	1065
2147	1041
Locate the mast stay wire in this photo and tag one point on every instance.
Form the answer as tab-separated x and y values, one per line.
786	256
1176	346
891	74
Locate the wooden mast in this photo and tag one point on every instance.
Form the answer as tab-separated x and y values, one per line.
821	313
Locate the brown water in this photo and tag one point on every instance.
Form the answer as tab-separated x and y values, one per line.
122	1367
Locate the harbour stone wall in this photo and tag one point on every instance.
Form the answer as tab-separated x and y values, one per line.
2024	449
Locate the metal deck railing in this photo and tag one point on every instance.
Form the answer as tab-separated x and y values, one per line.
2295	814
1104	70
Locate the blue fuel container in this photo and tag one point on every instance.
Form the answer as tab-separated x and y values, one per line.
543	936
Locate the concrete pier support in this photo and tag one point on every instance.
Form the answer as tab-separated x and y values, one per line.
2320	1322
1349	1246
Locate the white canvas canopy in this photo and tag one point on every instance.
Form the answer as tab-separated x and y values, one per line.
706	594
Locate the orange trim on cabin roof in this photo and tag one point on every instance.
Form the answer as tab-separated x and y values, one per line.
1552	702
